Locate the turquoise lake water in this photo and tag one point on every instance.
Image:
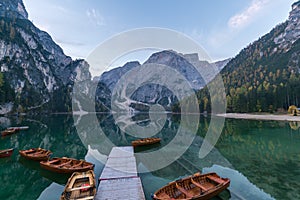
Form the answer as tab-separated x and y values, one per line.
261	158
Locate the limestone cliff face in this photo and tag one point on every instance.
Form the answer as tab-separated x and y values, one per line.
187	65
13	8
292	31
34	68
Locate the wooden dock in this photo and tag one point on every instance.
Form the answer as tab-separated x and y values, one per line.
119	178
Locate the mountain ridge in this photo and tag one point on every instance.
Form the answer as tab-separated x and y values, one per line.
35	73
187	65
264	76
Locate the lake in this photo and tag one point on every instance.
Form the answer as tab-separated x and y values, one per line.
262	158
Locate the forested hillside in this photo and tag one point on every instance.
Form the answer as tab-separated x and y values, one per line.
264	76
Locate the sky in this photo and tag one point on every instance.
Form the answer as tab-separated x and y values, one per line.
221	27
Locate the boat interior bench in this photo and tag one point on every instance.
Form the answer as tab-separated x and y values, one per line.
215	179
63	164
184	191
79	188
86	198
204	189
77	165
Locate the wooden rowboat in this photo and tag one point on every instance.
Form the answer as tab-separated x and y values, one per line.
8	132
18	128
6	153
145	141
198	186
37	154
12	130
80	186
66	165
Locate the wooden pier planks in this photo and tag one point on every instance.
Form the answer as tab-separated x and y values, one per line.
119	178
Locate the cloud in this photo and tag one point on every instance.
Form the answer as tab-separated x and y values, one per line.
95	17
197	35
62	9
245	17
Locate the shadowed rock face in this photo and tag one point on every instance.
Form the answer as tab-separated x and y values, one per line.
34	67
292	31
13	8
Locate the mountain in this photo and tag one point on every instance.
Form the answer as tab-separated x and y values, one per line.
185	64
180	64
13	9
35	72
265	75
111	77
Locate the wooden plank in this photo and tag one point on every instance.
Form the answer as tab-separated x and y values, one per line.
119	167
199	186
124	188
118	152
184	191
119	178
216	179
78	188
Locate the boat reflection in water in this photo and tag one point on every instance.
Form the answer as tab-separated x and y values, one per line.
240	186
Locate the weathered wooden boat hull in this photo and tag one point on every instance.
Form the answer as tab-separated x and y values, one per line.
8	132
81	185
144	142
66	165
214	193
199	186
36	154
12	130
6	153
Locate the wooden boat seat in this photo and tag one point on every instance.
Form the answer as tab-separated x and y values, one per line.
63	164
204	189
184	191
216	179
52	161
77	165
36	153
79	188
164	195
29	151
86	198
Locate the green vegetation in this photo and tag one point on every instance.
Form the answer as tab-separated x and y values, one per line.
6	92
1	79
261	78
28	97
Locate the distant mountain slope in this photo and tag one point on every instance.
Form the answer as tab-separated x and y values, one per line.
265	75
150	94
35	73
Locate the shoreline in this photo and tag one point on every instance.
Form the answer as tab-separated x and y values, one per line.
269	117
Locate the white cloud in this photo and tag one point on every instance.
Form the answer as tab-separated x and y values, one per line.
196	34
245	17
95	16
62	9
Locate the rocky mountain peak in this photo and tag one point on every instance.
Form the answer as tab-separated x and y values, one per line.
13	8
34	68
111	77
292	31
182	65
296	5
